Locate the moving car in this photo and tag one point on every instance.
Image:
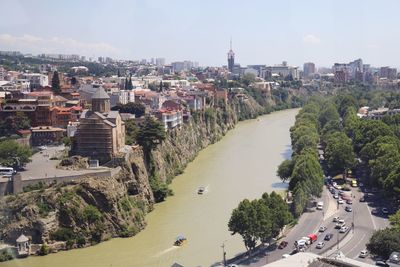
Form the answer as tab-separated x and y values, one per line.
328	237
343	229
320	205
283	244
320	245
363	254
322	229
348	209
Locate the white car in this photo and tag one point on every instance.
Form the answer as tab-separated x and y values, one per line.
320	245
343	229
336	219
335	196
340	201
322	229
363	254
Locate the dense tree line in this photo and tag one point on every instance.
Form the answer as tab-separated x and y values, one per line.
260	220
303	171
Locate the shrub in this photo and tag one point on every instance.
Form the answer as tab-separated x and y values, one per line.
63	234
81	241
5	256
44	250
91	214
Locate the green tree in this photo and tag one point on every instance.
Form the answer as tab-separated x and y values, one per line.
151	133
328	113
131	129
134	108
91	214
243	221
55	83
339	152
395	220
384	242
285	170
22	121
14	154
300	200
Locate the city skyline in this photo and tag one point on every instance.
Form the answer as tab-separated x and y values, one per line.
263	32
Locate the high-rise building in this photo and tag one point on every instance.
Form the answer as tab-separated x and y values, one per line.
231	58
308	69
160	61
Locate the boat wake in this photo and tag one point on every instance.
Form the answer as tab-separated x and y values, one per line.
166	251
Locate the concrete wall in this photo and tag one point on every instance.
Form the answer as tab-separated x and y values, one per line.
6	187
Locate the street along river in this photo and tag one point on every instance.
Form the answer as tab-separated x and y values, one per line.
242	165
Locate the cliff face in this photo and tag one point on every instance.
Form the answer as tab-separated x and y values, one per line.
90	211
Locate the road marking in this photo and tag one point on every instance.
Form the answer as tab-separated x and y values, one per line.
356	245
372	219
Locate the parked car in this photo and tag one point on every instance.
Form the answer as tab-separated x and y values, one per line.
348	209
335	196
362	199
385	211
328	237
381	263
343	229
322	229
283	244
340	201
336	219
349	201
363	254
375	211
320	245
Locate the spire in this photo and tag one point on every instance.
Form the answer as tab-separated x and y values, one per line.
231	43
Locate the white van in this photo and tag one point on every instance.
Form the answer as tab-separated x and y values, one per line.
7	171
320	205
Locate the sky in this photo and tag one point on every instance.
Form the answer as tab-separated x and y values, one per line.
262	31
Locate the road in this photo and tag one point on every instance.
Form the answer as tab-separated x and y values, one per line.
350	244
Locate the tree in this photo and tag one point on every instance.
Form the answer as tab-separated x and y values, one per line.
126	86
328	113
131	129
243	222
22	121
151	133
133	108
384	242
73	81
55	83
285	170
339	152
14	154
395	220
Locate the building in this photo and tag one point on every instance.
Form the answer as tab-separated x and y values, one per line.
36	80
101	132
169	118
283	70
308	69
46	135
387	72
231	58
160	61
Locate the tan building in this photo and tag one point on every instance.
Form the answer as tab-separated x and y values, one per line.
101	132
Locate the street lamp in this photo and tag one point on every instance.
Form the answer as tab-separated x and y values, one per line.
223	252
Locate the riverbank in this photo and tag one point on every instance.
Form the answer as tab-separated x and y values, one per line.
241	165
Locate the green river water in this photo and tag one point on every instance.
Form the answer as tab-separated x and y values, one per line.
242	165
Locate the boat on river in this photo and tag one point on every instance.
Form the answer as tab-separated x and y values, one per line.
180	241
201	190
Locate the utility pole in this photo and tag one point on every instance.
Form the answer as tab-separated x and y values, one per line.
352	224
337	240
223	253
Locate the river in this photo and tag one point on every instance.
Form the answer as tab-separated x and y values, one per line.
242	165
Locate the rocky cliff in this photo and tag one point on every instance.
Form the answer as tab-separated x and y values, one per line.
90	211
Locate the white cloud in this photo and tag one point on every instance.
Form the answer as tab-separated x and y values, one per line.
311	39
35	44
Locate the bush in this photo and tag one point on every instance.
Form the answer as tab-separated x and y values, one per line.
5	256
81	241
44	208
38	186
63	234
44	250
91	214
